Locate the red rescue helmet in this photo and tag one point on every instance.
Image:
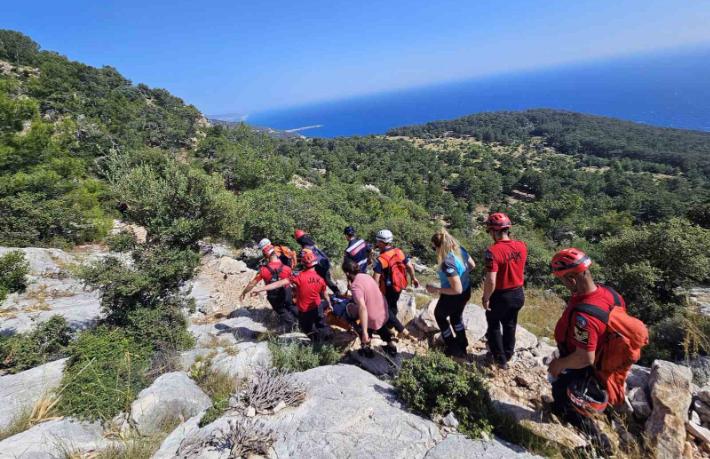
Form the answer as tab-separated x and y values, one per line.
309	259
298	234
498	221
267	250
570	261
587	396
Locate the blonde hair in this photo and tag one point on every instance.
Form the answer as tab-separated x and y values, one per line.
445	243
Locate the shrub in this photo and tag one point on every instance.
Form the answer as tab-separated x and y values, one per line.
121	242
269	387
13	269
164	329
151	282
434	385
107	368
219	386
45	343
176	203
298	357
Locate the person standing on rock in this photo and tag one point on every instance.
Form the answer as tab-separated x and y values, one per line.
358	250
455	266
391	269
503	294
281	298
579	333
311	298
308	245
369	306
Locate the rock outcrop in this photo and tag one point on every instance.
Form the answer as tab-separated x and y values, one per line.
51	290
171	396
57	438
19	392
350	413
671	397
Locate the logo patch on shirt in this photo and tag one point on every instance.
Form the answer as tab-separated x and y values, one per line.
581	333
450	270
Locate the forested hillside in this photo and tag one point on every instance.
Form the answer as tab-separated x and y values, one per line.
77	143
576	133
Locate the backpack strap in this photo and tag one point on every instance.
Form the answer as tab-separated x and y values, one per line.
275	273
614	294
590	309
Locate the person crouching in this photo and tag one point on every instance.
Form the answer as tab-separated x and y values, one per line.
370	306
310	296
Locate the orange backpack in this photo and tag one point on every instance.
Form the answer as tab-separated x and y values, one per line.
620	347
395	271
286	255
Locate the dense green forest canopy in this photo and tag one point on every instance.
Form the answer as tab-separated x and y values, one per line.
577	133
77	143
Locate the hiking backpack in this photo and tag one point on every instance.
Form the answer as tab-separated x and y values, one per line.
286	255
323	261
620	345
395	272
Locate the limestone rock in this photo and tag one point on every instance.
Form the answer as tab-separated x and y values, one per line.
703	410
704	394
52	439
229	331
19	392
699	432
171	396
671	397
640	403
406	308
241	362
51	290
456	446
638	377
230	266
170	446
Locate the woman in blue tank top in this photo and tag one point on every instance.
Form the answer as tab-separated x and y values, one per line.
455	266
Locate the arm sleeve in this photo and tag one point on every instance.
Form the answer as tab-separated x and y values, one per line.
449	267
491	265
585	332
378	268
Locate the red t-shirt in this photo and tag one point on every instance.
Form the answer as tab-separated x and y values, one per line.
584	331
309	289
507	258
265	275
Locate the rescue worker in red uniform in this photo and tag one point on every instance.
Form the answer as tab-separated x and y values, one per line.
503	294
311	298
280	299
576	391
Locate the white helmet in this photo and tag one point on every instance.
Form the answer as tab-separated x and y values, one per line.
263	243
384	235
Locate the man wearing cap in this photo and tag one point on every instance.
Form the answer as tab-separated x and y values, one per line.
358	250
280	299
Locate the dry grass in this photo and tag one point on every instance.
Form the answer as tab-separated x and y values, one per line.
271	387
45	409
136	446
541	311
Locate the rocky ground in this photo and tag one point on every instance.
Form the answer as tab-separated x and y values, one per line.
349	409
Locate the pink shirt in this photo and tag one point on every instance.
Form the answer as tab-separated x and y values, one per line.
366	290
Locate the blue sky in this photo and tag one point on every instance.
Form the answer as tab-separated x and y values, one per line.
235	56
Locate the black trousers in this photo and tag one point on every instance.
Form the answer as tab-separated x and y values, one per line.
282	303
312	323
392	298
384	333
449	313
328	278
503	314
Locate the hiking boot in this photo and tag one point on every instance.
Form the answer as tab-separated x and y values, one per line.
366	351
390	349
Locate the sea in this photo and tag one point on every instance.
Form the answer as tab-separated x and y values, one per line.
670	89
